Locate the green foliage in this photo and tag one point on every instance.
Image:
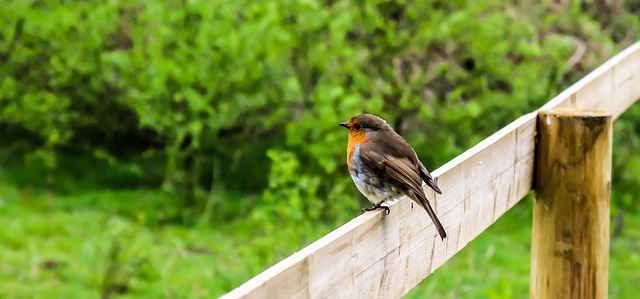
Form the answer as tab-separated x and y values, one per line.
289	196
196	93
626	162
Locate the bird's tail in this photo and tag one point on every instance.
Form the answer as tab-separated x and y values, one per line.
421	199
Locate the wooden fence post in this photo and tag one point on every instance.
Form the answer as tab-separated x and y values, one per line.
570	239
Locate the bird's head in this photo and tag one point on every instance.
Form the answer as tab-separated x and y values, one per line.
364	127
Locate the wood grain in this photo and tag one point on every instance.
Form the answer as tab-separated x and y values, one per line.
375	255
570	240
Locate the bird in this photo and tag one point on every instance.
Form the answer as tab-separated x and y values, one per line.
384	167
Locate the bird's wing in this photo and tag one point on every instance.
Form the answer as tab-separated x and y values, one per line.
396	148
427	178
402	172
399	171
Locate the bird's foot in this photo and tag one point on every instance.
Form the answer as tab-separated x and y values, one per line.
376	207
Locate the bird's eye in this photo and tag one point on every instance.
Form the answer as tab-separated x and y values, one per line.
357	127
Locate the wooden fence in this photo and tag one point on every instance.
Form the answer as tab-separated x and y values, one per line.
385	256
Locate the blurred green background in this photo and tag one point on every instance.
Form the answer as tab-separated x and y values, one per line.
175	149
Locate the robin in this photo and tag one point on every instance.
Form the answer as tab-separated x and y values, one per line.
384	166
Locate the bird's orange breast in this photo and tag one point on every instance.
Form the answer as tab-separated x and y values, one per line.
355	138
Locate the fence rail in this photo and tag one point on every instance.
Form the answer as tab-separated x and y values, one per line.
378	255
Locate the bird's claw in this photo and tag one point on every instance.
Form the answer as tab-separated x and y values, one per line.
388	210
376	207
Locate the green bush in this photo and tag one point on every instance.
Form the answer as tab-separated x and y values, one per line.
244	96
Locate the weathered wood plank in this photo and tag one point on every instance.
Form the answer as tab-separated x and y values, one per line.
570	239
375	255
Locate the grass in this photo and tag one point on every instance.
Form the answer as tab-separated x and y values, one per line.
497	263
494	265
83	246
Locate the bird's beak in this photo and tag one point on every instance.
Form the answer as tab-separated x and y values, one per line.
344	124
